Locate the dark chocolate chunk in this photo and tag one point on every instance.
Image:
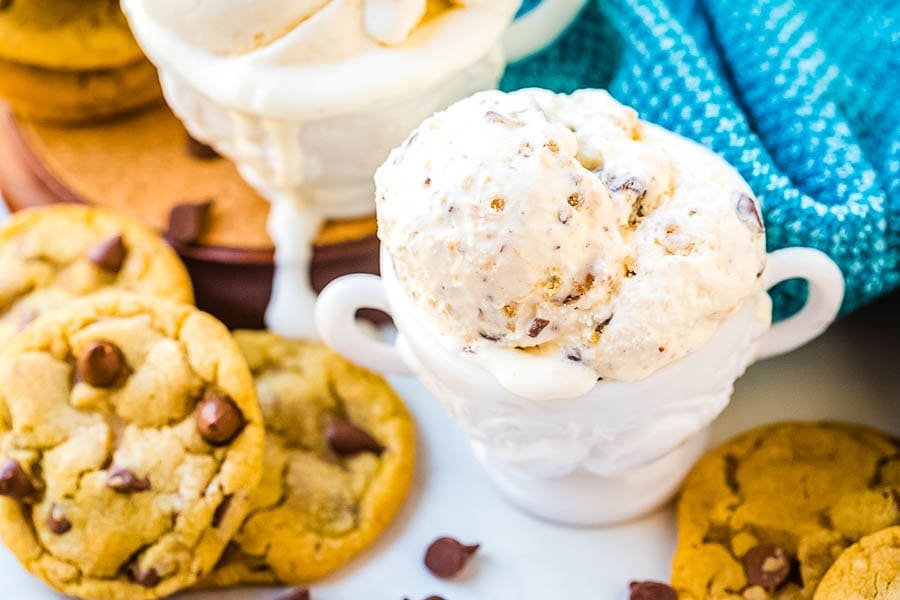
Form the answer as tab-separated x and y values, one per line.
199	150
108	254
298	594
574	354
14	482
57	521
125	481
188	221
221	509
652	590
446	557
537	326
218	418
748	213
101	364
767	566
149	578
489	337
347	439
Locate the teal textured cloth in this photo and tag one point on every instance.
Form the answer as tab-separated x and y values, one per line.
802	96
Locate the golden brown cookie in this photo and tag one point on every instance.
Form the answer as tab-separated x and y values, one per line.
67	61
52	255
130	438
338	464
867	570
767	513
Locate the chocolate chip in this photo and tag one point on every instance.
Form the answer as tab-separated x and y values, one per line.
221	509
748	213
149	578
574	354
101	364
4	4
446	557
298	594
199	150
188	221
896	494
57	521
489	337
108	254
767	566
14	482
125	481
218	418
537	326
629	184
347	439
652	590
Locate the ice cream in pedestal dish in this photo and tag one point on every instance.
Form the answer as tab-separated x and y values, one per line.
555	238
309	96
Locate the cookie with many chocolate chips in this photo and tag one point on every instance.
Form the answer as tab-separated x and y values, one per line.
867	570
130	438
50	256
338	464
767	513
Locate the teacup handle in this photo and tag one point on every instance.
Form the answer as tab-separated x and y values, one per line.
539	27
826	293
336	320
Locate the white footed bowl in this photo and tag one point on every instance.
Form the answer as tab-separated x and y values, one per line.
614	453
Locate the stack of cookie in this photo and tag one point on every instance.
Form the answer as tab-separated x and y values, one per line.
792	510
144	449
88	125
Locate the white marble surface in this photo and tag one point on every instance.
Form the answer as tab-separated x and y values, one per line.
852	373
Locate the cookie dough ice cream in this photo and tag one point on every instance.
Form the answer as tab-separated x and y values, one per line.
566	228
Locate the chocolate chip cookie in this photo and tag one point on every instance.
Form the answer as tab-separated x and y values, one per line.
50	256
67	61
338	464
767	513
867	570
130	438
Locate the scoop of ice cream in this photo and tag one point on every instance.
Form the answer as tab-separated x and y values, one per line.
565	226
234	27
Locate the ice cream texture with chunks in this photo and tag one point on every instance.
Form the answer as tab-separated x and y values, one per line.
564	227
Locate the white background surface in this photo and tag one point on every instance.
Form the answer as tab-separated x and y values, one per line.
852	373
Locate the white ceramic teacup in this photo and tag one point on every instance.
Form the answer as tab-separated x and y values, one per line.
614	453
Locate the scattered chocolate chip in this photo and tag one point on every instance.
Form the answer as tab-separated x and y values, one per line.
748	213
896	494
347	439
427	181
574	354
4	4
489	337
298	594
602	325
101	364
767	566
537	326
125	481
446	557
14	482
57	521
108	254
221	509
652	590
218	418
199	150
149	578
188	221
